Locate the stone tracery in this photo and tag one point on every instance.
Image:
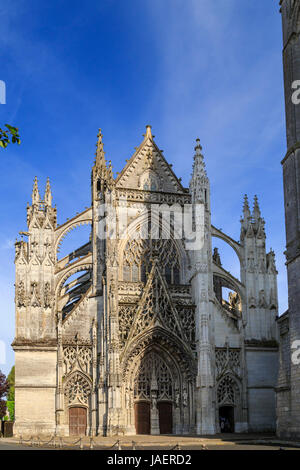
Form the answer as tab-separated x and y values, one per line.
137	259
152	365
77	389
227	391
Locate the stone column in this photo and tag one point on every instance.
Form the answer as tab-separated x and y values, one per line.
94	379
177	422
154	416
59	391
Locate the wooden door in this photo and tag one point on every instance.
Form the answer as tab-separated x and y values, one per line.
77	421
165	417
142	417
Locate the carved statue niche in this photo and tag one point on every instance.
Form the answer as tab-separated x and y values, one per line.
35	300
262	299
185	397
252	301
177	398
21	297
47	295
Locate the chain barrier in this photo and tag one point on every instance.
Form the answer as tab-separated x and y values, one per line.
58	442
176	447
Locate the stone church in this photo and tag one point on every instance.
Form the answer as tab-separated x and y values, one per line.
141	335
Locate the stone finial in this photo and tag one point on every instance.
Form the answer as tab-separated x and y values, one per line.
101	169
148	132
246	208
256	210
199	164
198	147
35	192
48	194
100	154
199	182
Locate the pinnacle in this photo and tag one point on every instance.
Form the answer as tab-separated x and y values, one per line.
148	132
199	175
256	209
48	194
99	143
198	147
35	191
246	203
198	158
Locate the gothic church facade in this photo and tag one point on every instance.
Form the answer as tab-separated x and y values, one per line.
132	335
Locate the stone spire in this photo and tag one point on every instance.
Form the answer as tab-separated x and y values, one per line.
256	214
101	169
246	208
100	162
246	218
199	169
199	182
35	192
48	194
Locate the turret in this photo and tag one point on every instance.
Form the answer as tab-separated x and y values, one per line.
258	274
34	261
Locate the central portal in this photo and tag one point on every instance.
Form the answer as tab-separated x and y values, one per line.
153	396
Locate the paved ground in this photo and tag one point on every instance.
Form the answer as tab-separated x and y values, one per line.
219	442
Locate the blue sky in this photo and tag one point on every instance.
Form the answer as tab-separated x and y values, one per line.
190	68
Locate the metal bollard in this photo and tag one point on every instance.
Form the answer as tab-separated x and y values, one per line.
21	442
60	442
81	444
91	443
119	445
133	445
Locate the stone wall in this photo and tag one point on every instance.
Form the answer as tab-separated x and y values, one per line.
35	391
262	366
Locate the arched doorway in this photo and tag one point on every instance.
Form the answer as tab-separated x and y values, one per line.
77	421
226	419
229	402
153	396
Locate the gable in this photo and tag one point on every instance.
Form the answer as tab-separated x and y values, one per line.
148	170
156	309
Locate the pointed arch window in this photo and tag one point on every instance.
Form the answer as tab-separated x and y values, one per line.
138	254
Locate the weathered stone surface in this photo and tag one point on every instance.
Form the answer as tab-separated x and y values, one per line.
288	391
